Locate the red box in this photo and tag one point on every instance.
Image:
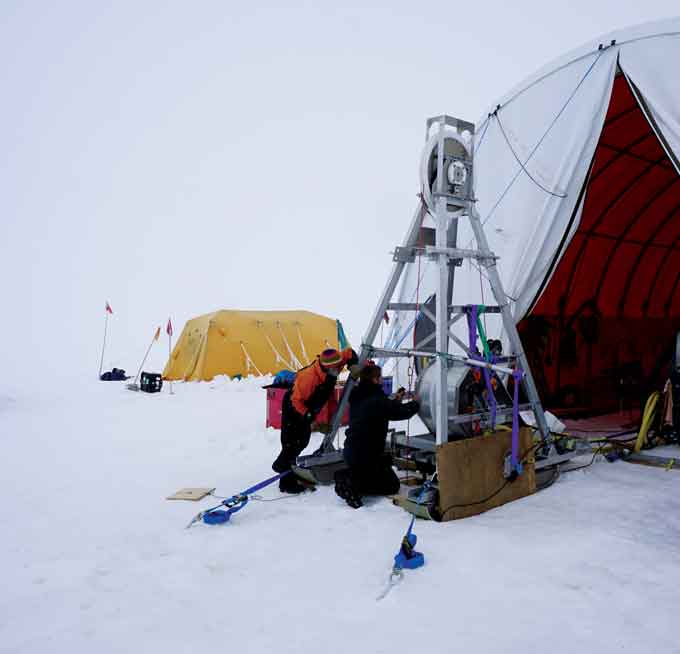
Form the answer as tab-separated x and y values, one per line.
275	406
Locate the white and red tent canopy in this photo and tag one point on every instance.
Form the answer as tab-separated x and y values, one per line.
577	177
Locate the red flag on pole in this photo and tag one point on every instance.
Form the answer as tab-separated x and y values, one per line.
168	329
108	308
157	335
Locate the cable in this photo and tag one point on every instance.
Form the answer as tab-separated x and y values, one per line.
551	481
540	141
481	138
615	43
259	498
613	432
648	416
486	499
523	167
523	458
599	450
421	237
552	124
474	265
508	481
481	288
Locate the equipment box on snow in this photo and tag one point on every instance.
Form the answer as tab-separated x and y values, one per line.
151	382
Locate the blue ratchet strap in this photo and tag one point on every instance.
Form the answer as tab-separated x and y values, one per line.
407	557
215	515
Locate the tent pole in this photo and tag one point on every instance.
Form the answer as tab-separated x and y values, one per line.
101	361
170	358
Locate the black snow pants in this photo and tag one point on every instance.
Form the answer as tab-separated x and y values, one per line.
295	435
374	477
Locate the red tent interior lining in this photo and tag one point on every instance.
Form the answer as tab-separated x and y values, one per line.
612	307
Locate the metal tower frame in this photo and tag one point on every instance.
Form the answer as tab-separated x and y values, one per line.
449	199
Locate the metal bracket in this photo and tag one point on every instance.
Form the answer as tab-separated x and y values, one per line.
451	121
404	254
459	254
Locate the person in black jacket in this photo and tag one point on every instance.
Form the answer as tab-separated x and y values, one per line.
369	467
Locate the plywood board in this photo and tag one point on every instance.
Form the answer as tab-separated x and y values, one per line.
192	494
470	474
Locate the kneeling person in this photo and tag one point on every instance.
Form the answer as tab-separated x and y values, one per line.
370	468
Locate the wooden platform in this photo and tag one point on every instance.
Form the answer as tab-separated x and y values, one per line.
470	474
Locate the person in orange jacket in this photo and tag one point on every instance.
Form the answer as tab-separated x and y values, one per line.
311	390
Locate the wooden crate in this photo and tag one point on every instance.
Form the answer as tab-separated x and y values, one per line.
470	471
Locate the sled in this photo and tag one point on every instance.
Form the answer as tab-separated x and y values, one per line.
319	469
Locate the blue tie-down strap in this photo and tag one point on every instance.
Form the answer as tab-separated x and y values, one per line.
216	515
219	516
407	558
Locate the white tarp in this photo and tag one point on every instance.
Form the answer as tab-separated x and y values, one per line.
525	222
553	122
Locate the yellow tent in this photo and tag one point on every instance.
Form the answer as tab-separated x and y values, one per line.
249	343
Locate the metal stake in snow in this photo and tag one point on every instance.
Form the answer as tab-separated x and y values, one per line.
407	557
106	323
135	386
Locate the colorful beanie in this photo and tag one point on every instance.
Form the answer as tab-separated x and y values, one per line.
330	358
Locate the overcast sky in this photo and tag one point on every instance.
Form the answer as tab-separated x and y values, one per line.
175	158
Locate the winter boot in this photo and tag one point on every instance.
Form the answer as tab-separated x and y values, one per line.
282	463
344	488
291	484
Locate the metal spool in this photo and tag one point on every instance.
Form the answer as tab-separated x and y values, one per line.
426	390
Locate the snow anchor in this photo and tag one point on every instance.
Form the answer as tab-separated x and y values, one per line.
407	558
216	515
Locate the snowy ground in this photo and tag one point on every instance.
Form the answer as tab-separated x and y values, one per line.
94	559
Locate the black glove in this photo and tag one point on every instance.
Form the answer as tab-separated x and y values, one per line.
353	360
354	371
